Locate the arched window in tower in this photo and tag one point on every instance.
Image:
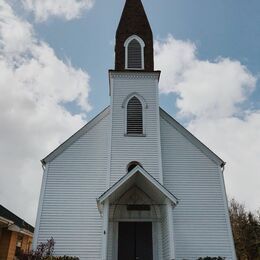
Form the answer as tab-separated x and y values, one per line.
134	53
134	116
132	165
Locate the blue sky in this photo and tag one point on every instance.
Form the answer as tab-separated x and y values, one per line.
218	28
54	62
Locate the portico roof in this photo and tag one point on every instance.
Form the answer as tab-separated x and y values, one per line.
142	179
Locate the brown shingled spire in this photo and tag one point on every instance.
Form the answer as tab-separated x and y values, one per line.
134	22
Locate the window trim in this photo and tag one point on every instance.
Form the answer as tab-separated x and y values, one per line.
141	42
144	106
132	163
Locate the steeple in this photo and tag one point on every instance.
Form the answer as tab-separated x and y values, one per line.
134	39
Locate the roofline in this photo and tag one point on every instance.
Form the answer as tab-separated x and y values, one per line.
75	136
26	232
194	140
6	221
12	220
163	113
127	176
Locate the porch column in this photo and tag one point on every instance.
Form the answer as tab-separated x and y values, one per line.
170	229
105	229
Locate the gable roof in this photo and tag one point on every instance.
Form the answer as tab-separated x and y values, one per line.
191	138
147	181
76	136
14	219
210	154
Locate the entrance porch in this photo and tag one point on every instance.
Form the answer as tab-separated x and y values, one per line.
137	215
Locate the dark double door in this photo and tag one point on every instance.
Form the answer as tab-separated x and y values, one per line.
135	241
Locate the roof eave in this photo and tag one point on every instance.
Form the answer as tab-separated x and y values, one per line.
194	140
127	176
75	136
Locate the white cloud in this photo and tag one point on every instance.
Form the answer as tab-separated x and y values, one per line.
204	88
34	84
16	35
209	96
238	142
67	9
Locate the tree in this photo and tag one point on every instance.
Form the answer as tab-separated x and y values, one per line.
246	231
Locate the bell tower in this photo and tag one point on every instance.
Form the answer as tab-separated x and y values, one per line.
134	39
135	124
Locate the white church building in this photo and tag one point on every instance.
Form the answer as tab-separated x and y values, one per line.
133	184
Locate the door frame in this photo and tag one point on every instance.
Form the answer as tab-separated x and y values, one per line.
155	236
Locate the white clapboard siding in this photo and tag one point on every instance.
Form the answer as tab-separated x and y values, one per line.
201	226
75	179
144	149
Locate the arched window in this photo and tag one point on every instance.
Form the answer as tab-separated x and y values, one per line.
134	116
132	165
134	50
134	55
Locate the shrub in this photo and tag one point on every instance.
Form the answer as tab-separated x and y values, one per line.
44	251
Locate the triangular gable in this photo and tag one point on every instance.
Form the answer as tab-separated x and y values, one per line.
76	136
129	179
191	138
163	114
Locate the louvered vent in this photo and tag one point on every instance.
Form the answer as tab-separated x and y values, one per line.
134	116
134	55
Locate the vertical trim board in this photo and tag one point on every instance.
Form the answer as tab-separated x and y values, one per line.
39	211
